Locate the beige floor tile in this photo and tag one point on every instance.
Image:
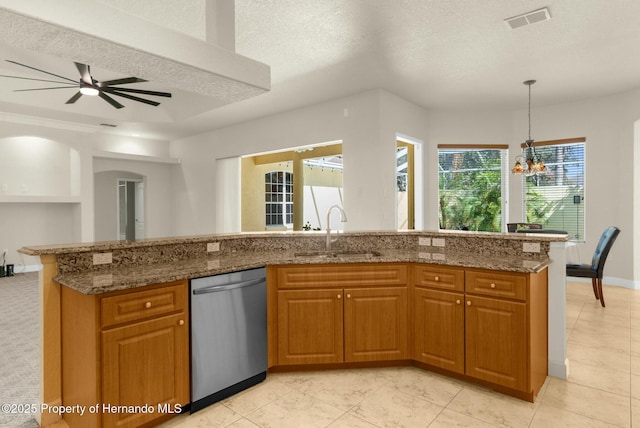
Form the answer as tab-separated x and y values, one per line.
604	358
388	407
606	318
493	408
428	386
635	387
592	403
549	417
635	348
342	389
604	328
242	423
635	413
216	415
257	396
603	378
635	364
600	341
449	418
294	411
613	305
350	420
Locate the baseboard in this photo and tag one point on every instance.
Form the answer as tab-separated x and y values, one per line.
26	268
610	280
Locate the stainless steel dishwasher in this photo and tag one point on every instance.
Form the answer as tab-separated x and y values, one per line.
228	335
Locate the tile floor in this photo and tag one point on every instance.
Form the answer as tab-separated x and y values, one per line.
602	391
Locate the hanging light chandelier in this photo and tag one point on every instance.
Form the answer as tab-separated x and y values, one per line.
530	163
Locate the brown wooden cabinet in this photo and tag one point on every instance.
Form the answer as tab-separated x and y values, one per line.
126	348
488	325
319	320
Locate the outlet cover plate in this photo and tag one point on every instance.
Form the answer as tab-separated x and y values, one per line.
102	258
437	242
213	246
424	241
531	247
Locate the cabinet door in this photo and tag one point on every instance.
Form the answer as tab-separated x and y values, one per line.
439	329
496	341
310	326
145	363
375	324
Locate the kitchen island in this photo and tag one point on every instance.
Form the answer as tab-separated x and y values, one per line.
93	269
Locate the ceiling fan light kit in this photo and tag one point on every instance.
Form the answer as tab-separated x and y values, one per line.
87	85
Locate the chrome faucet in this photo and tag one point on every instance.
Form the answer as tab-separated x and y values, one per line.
343	218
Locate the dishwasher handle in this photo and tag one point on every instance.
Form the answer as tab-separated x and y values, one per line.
225	287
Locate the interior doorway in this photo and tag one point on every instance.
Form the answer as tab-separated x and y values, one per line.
130	205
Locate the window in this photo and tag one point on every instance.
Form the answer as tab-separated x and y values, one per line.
278	198
556	199
472	183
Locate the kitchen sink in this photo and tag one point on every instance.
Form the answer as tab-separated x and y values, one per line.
333	254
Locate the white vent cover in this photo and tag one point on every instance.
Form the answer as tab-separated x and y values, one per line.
528	18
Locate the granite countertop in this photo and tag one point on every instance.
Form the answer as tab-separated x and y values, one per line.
126	277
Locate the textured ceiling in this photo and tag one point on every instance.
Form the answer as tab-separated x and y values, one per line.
453	54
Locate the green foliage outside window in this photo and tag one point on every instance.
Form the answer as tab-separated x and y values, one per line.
470	189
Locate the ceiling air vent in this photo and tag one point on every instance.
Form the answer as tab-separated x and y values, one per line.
528	18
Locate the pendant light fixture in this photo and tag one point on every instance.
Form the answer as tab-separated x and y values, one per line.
530	163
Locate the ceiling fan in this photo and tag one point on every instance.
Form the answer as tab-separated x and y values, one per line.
91	87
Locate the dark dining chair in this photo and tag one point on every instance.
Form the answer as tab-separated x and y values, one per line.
596	268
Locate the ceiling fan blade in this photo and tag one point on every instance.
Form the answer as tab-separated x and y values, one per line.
43	89
110	100
41	80
83	69
131	97
142	91
41	71
74	98
123	81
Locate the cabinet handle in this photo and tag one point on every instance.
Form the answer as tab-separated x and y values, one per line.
348	296
493	285
468	302
181	322
457	301
147	305
339	296
437	278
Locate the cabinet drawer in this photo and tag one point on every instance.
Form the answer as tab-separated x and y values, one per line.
439	277
138	305
341	276
511	286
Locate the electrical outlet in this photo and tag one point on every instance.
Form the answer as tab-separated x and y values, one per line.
213	264
437	242
424	256
531	247
438	256
424	241
213	246
102	258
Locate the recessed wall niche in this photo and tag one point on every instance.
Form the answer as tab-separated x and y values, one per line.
35	166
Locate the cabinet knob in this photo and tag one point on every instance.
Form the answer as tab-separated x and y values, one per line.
437	278
339	296
147	305
493	285
348	296
457	301
181	322
468	302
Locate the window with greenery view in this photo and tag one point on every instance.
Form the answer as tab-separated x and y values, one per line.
278	198
472	187
556	199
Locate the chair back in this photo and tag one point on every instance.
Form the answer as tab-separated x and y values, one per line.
514	227
602	250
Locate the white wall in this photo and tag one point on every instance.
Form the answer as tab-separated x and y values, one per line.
368	123
354	120
157	193
55	162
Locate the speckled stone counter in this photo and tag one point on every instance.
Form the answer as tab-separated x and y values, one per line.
140	263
